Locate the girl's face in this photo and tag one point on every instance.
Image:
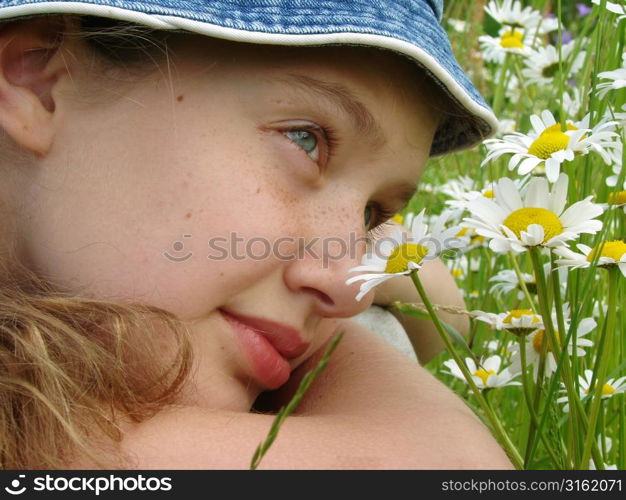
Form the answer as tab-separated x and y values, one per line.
241	181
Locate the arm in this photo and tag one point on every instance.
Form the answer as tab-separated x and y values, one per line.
442	290
371	408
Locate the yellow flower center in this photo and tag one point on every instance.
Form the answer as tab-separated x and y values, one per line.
399	259
475	240
518	313
520	219
611	249
607	390
488	193
512	40
617	198
550	141
457	273
483	374
538	340
462	232
398	218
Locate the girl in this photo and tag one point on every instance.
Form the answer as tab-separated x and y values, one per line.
145	174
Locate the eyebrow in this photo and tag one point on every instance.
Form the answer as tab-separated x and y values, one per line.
340	96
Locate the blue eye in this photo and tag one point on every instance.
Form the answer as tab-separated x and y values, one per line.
317	142
306	140
367	215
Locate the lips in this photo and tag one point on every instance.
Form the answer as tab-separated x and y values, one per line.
285	339
267	346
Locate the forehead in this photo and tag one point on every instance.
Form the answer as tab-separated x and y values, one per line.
368	73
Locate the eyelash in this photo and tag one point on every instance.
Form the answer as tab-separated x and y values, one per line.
382	223
330	137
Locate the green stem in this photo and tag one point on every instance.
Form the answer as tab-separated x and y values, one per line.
534	421
564	338
605	339
501	434
561	76
522	282
553	342
285	411
499	94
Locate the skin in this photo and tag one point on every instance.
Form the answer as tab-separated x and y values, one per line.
97	219
199	148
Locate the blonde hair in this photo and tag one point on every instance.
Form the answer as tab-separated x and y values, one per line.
73	367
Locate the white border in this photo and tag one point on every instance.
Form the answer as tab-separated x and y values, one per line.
205	28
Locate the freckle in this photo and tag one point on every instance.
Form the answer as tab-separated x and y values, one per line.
221	275
258	190
188	216
180	98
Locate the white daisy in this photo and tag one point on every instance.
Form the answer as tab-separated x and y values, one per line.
535	339
616	8
613	253
611	388
457	25
617	77
510	13
516	321
506	281
424	187
611	180
621	117
608	442
617	199
509	40
486	376
497	347
505	126
462	190
572	103
462	266
537	220
543	63
456	187
546	25
548	145
404	252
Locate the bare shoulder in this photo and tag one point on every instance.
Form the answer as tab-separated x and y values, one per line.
357	427
197	438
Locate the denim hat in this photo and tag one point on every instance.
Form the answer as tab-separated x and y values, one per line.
408	27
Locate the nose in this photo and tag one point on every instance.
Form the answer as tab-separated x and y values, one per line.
321	270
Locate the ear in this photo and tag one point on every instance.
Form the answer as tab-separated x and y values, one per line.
30	65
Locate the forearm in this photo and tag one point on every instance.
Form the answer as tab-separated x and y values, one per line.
423	334
441	290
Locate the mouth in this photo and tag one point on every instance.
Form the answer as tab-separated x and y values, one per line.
267	345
